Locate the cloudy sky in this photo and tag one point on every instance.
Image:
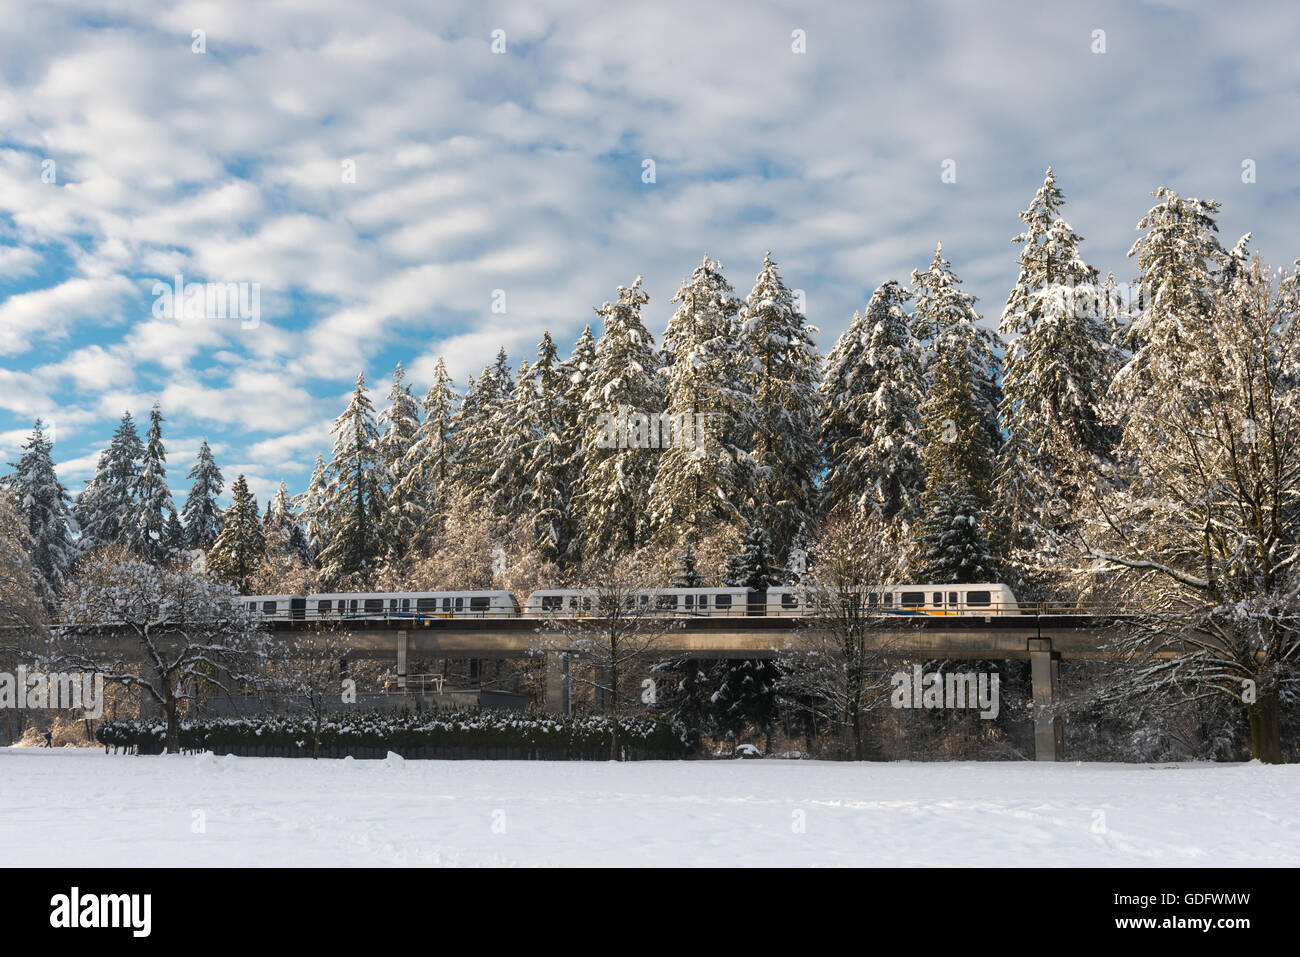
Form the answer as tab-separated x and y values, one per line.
379	171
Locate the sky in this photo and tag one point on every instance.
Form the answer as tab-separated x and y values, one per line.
386	173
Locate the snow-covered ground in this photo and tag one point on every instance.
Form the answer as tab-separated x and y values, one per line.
82	807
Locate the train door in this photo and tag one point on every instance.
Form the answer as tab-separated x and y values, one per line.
757	603
297	608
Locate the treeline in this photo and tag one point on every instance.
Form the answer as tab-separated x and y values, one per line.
562	457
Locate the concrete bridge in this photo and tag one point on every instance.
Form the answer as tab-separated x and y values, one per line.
1043	640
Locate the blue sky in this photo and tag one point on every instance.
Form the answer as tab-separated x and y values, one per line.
522	172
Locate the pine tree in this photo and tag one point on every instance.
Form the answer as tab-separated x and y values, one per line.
577	369
426	473
616	477
202	515
871	412
953	546
106	506
704	480
783	381
1178	257
1059	362
754	566
148	530
311	505
404	513
688	575
354	494
238	551
548	475
43	505
945	320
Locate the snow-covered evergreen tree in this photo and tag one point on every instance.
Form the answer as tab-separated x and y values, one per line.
1059	357
404	513
148	530
871	412
107	505
509	487
547	462
944	319
238	551
687	574
1178	257
478	423
311	505
952	544
616	477
42	503
202	514
707	480
783	381
577	369
354	495
754	566
426	473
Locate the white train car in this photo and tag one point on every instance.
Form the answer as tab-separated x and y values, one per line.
277	607
414	606
679	602
914	600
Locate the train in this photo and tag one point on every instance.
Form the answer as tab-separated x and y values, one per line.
983	599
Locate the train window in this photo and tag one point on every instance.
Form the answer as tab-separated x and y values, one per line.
406	605
268	608
666	603
479	604
252	606
446	606
979	598
722	602
573	603
324	606
552	602
586	604
889	599
704	602
460	605
938	598
789	600
374	606
911	599
952	598
392	604
873	599
688	602
352	606
426	604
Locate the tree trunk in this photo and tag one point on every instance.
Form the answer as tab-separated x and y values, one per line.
173	708
613	710
1266	729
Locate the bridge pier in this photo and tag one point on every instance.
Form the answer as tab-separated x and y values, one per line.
1045	673
558	698
403	647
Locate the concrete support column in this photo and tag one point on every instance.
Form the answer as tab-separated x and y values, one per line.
402	647
558	700
1045	670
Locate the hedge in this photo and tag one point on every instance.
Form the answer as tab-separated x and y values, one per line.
485	732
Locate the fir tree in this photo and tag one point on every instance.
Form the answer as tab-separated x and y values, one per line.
354	493
753	566
311	505
202	515
953	546
783	381
616	480
704	480
43	505
687	574
148	531
478	425
404	514
871	412
577	370
426	473
548	474
238	551
107	505
1058	364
